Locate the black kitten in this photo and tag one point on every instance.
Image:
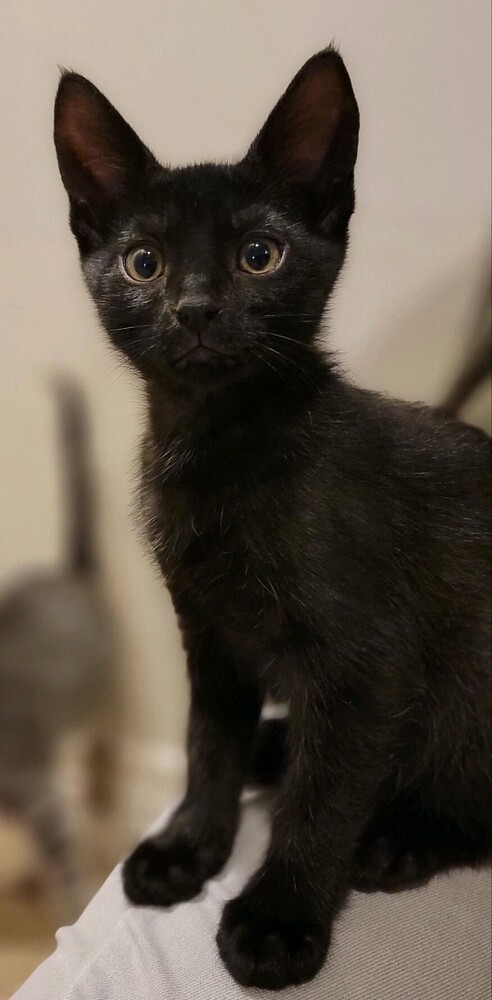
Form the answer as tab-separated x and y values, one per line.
318	540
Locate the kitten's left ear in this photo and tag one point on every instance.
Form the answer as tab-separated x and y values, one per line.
308	143
101	159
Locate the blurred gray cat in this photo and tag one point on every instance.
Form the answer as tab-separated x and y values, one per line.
57	660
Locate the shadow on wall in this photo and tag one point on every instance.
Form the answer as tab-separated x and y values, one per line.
441	343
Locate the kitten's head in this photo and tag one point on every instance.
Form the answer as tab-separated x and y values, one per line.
203	273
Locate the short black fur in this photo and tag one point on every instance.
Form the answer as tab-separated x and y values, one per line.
321	543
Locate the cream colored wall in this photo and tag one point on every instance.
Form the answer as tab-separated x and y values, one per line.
196	80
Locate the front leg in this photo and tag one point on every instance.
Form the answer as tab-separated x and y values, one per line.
277	932
225	707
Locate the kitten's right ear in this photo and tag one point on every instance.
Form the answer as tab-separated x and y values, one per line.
101	159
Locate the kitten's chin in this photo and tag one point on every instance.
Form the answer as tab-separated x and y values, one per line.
205	357
203	367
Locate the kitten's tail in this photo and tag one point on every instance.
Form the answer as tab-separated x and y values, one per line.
76	466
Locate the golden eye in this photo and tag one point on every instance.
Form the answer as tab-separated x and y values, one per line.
259	255
143	263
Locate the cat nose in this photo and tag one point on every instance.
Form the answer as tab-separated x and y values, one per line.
196	314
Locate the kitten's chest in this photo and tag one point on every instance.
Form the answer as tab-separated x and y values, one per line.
222	560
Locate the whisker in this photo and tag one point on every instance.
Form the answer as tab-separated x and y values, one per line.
137	341
124	367
299	369
290	340
121	329
287	315
261	358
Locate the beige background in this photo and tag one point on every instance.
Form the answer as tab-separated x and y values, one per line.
196	80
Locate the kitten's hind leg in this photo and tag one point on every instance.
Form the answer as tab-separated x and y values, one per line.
402	849
269	756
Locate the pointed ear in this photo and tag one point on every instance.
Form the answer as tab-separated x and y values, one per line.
309	141
100	157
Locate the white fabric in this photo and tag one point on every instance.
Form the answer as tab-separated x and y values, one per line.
429	944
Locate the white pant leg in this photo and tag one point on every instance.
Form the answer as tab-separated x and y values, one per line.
428	944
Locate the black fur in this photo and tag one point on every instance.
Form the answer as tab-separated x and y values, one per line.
320	542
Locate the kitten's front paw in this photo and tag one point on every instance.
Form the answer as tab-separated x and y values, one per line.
168	869
270	947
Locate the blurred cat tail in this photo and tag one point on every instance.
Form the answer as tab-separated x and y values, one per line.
79	491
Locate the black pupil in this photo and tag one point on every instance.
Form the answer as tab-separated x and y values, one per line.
145	263
257	255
